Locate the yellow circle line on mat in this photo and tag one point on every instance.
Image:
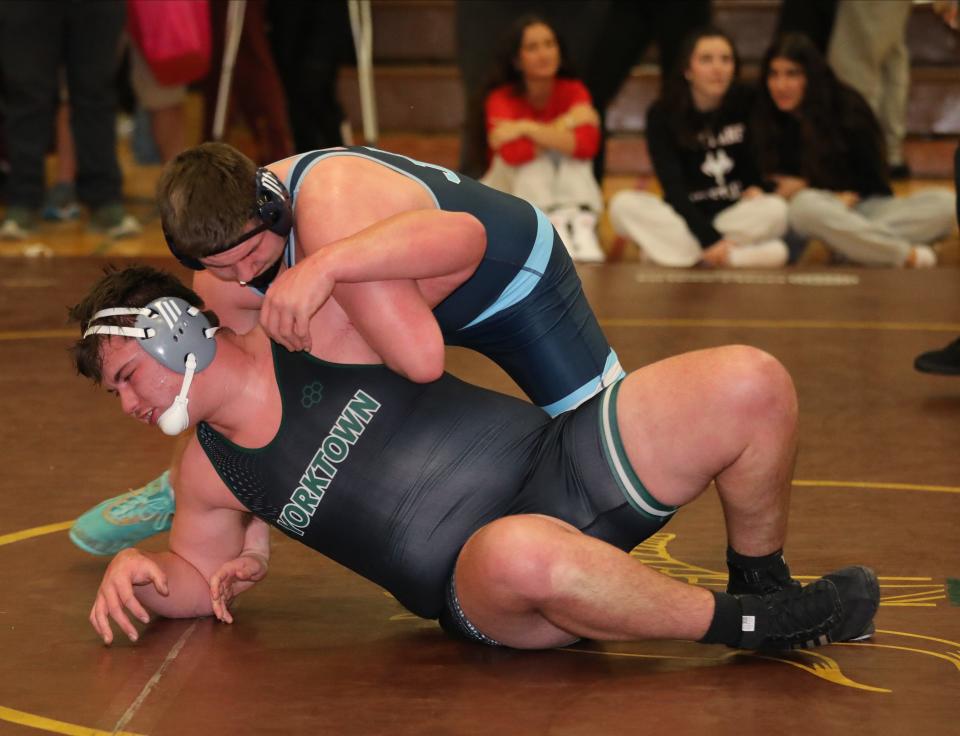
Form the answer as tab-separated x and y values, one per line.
31	720
877	485
8	335
49	724
37	531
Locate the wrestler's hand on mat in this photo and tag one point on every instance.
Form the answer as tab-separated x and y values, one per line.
128	568
233	578
293	299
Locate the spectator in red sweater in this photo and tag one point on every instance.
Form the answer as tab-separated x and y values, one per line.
542	132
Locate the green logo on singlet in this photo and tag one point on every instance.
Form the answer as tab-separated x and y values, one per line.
312	394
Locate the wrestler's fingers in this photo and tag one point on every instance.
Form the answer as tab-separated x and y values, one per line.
118	614
136	608
159	578
302	326
99	620
217	609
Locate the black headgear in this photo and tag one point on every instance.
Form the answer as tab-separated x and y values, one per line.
272	208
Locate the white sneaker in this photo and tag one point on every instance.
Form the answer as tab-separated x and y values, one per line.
924	256
767	254
586	247
561	219
11	230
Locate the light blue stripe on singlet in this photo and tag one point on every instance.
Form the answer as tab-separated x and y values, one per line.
530	274
612	372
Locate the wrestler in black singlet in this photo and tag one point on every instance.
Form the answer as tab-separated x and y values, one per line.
390	478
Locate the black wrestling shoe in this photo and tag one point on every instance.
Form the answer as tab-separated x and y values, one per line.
760	581
839	606
945	362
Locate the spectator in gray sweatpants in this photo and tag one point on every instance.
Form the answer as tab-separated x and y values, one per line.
821	145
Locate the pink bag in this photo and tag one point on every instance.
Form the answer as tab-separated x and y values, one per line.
173	36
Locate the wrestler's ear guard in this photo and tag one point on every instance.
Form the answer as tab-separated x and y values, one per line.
174	333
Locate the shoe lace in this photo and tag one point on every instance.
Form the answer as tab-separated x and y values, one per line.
145	506
802	614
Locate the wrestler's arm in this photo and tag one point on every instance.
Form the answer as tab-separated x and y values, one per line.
174	583
386	271
240	573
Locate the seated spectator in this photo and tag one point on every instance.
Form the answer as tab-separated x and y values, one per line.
821	144
542	134
713	211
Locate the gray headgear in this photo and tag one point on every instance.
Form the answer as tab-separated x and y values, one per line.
168	328
176	334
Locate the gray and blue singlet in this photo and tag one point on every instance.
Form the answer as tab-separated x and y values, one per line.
390	478
524	306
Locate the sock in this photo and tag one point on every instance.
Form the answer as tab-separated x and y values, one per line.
725	628
745	562
763	574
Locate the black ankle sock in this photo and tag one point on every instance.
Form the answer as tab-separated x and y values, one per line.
745	562
758	575
725	628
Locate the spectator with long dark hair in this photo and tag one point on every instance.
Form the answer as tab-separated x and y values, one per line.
542	133
713	210
821	144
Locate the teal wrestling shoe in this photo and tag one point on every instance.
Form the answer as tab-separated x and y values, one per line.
124	520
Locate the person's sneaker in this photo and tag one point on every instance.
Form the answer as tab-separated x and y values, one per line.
114	221
839	606
124	520
561	219
923	256
17	223
945	361
60	203
586	247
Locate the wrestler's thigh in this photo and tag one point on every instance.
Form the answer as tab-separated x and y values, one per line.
684	419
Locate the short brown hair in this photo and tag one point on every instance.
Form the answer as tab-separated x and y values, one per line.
135	286
206	195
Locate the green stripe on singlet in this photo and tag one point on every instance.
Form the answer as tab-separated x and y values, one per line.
631	486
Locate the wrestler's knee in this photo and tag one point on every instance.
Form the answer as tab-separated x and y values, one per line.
517	556
759	386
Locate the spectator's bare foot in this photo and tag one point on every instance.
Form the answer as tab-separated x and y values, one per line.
717	255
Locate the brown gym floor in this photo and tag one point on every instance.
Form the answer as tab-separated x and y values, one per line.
315	649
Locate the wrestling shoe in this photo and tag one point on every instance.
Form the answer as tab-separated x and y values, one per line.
945	361
124	520
839	606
